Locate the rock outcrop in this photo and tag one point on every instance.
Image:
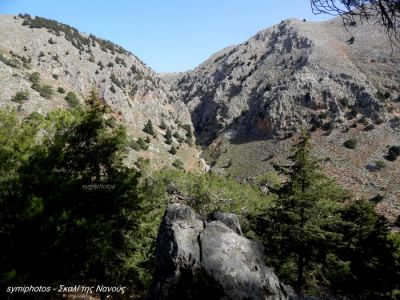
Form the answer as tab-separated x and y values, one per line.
210	259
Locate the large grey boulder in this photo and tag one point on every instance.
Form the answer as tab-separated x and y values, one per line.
199	259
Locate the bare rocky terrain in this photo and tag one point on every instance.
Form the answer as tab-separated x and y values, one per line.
250	101
78	62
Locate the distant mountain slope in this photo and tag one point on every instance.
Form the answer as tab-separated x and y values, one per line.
249	101
276	80
73	61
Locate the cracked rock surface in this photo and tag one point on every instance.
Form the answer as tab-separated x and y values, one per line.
199	259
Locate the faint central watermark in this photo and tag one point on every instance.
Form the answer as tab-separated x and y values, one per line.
98	186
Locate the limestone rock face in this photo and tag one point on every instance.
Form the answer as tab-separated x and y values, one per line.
280	79
199	259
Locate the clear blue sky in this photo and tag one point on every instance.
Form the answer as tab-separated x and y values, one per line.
168	35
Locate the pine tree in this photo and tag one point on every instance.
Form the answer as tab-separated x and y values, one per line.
301	225
148	128
168	136
70	193
163	126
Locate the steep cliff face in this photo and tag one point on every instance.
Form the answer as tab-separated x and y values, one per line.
72	61
249	101
283	77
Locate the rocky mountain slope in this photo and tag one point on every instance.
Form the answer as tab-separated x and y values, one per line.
69	61
249	101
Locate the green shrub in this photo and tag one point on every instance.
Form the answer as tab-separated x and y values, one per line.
382	95
115	80
351	143
61	90
180	139
328	126
393	153
143	145
323	115
112	89
72	99
376	199
369	127
134	145
55	76
9	62
120	61
363	120
176	135
46	91
147	140
172	150
380	164
20	96
34	78
178	164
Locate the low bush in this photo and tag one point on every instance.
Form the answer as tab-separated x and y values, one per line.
178	164
369	127
376	199
61	90
172	150
393	153
46	91
351	143
380	164
142	143
20	96
72	99
134	145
